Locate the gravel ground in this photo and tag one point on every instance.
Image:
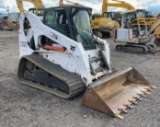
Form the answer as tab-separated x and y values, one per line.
22	106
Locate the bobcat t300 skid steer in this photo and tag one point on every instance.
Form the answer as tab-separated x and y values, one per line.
60	55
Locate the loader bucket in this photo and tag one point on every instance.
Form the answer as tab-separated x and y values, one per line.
115	93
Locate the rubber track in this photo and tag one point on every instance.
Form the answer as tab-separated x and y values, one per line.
73	80
133	48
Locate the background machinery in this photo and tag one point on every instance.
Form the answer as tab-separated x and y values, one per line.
134	32
154	31
61	56
38	4
109	20
5	24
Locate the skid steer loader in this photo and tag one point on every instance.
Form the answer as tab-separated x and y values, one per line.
61	56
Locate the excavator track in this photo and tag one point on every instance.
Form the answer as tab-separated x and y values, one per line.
132	48
38	72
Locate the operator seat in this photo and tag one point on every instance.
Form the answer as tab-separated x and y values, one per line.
127	24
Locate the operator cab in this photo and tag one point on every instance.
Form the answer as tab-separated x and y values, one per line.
136	19
40	11
73	22
112	15
146	14
132	16
116	16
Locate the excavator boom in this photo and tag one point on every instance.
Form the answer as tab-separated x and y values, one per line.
119	4
37	4
154	34
156	25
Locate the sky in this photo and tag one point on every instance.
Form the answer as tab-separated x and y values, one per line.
154	7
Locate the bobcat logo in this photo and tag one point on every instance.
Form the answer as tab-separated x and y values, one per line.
73	48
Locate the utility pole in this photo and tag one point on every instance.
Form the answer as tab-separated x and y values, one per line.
8	10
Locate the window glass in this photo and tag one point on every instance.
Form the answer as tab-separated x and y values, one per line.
51	20
82	23
40	11
58	21
130	17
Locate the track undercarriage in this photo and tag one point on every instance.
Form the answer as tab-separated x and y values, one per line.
37	72
137	48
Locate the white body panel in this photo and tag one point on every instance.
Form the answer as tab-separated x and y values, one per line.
75	61
124	35
13	17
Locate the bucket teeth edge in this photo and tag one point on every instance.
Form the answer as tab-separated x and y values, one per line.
119	116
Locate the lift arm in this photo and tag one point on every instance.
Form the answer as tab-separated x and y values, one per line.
120	4
36	3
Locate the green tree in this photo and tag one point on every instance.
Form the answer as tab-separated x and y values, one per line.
96	15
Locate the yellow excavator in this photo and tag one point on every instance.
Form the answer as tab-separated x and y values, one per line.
109	20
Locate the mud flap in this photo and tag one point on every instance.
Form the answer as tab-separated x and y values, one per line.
115	93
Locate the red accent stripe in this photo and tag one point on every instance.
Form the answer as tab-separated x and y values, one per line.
54	48
129	34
